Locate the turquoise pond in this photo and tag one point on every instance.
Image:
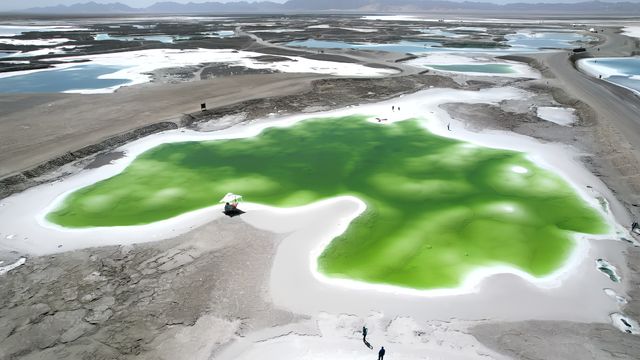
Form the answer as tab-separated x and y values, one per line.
520	42
83	77
625	69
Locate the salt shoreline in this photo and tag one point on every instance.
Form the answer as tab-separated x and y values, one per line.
136	65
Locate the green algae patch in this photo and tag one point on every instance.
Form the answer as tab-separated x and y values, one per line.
437	208
477	68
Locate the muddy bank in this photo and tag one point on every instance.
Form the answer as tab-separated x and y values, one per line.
557	340
324	95
521	117
37	175
38	127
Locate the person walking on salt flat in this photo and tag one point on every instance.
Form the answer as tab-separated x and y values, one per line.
381	353
364	338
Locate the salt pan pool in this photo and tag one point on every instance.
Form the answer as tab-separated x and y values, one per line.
474	65
81	77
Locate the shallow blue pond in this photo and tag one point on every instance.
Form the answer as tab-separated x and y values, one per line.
81	77
625	69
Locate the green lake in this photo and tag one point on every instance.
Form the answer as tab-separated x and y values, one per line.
437	208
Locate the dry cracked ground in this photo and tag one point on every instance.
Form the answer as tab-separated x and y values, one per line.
144	301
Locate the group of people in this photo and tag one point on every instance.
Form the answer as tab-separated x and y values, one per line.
231	209
364	339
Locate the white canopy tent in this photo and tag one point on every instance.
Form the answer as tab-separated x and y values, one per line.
231	197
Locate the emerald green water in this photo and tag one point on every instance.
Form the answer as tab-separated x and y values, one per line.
437	208
477	68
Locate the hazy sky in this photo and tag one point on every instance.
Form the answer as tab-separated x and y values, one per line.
23	4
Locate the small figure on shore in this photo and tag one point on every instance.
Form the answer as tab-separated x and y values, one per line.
228	208
398	108
381	353
364	338
449	126
393	108
231	209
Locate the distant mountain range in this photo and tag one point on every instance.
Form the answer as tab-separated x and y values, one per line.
390	6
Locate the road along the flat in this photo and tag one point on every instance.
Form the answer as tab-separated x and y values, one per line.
617	109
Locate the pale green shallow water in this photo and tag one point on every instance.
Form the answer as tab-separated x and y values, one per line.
437	208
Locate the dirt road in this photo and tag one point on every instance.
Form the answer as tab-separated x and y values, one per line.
616	110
